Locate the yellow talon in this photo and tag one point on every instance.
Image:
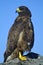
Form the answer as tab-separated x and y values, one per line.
22	57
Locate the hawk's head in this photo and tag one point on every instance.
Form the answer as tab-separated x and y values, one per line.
23	10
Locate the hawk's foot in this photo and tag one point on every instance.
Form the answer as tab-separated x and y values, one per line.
21	57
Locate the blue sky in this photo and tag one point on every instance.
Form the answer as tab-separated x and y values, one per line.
8	15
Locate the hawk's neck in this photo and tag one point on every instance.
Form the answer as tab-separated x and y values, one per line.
24	18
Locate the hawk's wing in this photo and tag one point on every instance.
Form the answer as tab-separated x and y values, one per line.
29	33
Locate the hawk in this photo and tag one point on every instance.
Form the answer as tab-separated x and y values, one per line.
21	35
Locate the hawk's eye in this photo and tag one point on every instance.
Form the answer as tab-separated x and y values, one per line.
21	8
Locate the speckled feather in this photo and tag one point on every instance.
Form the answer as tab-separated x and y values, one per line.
21	24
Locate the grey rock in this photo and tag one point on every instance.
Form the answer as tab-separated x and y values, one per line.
32	59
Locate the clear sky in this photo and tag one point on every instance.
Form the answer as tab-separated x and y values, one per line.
8	15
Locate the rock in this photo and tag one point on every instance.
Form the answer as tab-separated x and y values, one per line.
32	59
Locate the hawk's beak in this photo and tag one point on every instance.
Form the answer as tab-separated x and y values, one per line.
18	10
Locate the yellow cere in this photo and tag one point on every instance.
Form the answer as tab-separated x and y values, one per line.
19	10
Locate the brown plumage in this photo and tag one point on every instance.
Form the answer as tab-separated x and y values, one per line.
21	34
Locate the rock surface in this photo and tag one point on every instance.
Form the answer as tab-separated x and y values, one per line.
32	59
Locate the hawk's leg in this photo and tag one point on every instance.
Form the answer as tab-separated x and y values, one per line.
21	57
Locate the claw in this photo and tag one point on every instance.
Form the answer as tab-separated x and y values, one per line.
22	57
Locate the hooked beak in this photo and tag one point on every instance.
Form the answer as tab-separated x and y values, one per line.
18	10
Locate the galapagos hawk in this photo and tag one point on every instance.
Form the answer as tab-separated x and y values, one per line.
21	34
